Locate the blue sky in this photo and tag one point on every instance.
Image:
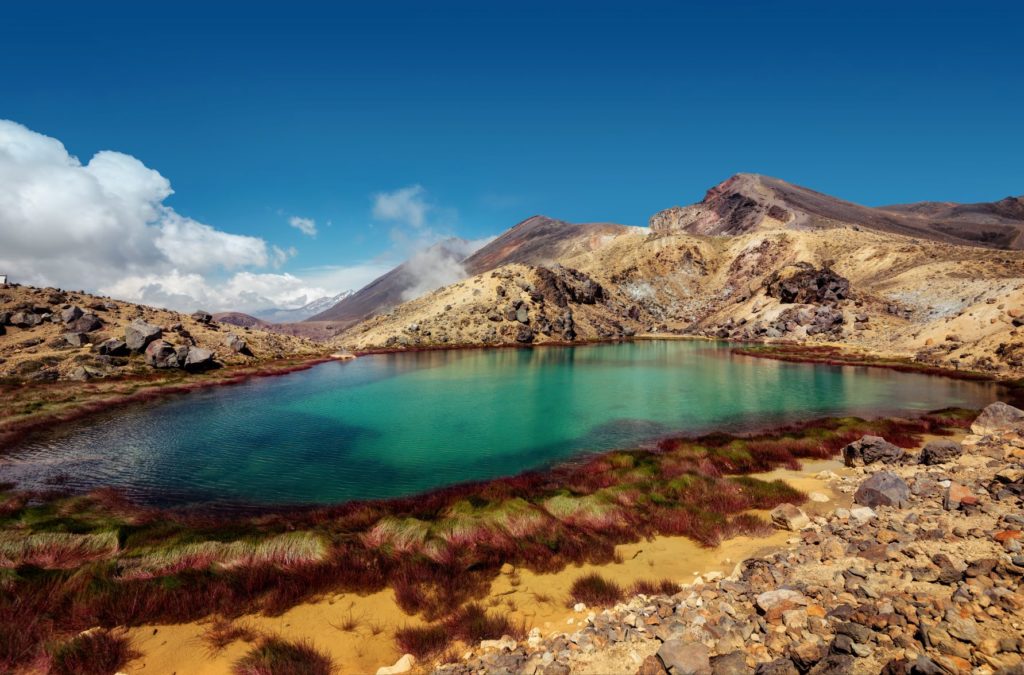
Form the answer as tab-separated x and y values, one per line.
260	112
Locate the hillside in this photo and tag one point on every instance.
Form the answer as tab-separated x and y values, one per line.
746	202
48	334
774	277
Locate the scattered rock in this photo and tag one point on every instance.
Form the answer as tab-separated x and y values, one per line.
871	449
402	665
996	418
940	452
197	359
162	354
139	334
683	657
113	347
70	314
789	517
202	317
883	489
236	344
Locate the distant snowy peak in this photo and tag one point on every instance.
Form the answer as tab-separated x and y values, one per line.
278	315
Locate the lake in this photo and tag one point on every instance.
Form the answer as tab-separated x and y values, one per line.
398	424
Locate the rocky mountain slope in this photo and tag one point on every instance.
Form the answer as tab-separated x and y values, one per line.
746	202
948	304
48	334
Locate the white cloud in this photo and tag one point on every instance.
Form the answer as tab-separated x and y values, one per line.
306	226
439	265
104	226
406	206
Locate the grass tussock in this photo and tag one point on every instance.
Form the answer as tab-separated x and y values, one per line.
593	590
223	632
660	587
423	642
94	652
69	563
274	656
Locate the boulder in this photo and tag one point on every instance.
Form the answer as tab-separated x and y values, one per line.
940	452
236	344
524	335
804	284
71	314
85	373
25	319
997	418
199	316
682	657
86	323
733	663
76	339
956	496
197	359
162	354
402	665
789	517
139	334
113	347
883	489
523	314
871	449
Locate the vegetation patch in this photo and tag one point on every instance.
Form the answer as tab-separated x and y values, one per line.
274	656
94	652
594	590
69	563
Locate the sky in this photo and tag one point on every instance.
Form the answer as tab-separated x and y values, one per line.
242	155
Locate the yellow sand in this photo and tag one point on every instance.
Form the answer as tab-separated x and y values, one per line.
540	600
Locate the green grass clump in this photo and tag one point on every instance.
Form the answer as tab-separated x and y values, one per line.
94	652
55	549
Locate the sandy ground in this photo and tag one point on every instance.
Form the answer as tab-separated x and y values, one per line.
539	600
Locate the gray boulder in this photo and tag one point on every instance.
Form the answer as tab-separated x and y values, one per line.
113	347
139	334
162	354
940	452
883	489
236	344
871	449
26	319
525	335
76	339
86	323
789	517
202	317
682	657
197	359
71	314
523	314
997	418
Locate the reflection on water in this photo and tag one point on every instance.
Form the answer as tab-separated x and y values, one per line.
397	424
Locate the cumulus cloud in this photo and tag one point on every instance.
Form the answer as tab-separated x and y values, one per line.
407	206
104	226
306	226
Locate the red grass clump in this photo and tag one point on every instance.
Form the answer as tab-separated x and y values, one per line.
472	623
97	652
648	587
274	656
594	590
423	641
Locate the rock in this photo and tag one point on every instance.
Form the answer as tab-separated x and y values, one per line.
789	517
883	489
402	665
84	373
236	344
523	314
862	514
805	654
86	323
76	339
871	449
803	283
70	314
683	657
819	497
139	334
113	347
733	663
524	335
25	319
956	496
781	666
162	354
833	664
940	452
780	597
652	665
197	359
507	568
996	418
200	316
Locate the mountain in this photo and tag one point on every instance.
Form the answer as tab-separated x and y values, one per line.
746	202
537	240
279	315
756	259
540	240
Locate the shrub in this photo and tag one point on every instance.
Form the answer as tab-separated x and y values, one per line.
96	652
473	623
423	641
274	656
648	587
595	590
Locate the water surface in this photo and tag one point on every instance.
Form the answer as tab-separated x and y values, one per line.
398	424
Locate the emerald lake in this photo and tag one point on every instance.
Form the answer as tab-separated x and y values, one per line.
398	424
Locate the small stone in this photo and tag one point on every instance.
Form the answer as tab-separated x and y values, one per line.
402	665
819	497
683	657
883	489
789	517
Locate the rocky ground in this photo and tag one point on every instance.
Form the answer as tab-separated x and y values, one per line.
49	334
922	575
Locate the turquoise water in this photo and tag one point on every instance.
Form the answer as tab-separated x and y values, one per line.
398	424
